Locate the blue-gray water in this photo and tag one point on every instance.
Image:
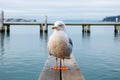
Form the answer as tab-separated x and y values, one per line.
23	52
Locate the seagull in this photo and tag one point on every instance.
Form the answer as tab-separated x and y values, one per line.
60	45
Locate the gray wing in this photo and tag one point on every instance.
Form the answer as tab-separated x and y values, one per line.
70	41
70	45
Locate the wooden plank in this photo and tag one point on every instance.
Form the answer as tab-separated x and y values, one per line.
74	73
47	73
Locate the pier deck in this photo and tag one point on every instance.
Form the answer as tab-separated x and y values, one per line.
74	24
85	25
73	74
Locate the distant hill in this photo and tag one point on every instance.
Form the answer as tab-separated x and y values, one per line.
112	18
19	20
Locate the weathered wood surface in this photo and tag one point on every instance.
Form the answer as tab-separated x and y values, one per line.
47	73
1	21
73	74
46	26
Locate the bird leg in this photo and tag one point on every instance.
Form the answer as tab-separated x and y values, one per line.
56	66
64	67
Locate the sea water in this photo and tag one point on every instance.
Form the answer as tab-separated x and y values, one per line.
23	52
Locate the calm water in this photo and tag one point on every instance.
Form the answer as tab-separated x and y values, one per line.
23	52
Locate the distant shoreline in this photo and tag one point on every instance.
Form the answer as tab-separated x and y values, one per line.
19	20
112	18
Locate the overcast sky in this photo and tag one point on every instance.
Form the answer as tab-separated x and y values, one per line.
76	9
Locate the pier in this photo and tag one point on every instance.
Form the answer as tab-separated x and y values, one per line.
73	74
85	26
44	26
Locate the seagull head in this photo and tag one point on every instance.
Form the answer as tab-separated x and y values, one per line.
59	25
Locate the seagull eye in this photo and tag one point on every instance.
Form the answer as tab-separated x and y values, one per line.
60	25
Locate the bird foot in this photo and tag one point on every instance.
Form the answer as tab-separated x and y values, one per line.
64	68
55	68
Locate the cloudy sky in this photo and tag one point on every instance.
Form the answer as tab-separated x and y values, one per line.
69	9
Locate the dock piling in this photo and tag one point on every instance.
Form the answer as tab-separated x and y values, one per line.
46	26
86	28
116	28
41	28
8	28
2	28
83	28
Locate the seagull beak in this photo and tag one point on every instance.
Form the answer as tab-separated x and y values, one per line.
54	27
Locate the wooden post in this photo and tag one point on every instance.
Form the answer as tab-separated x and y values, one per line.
2	28
41	28
116	28
8	28
88	29
46	26
83	28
